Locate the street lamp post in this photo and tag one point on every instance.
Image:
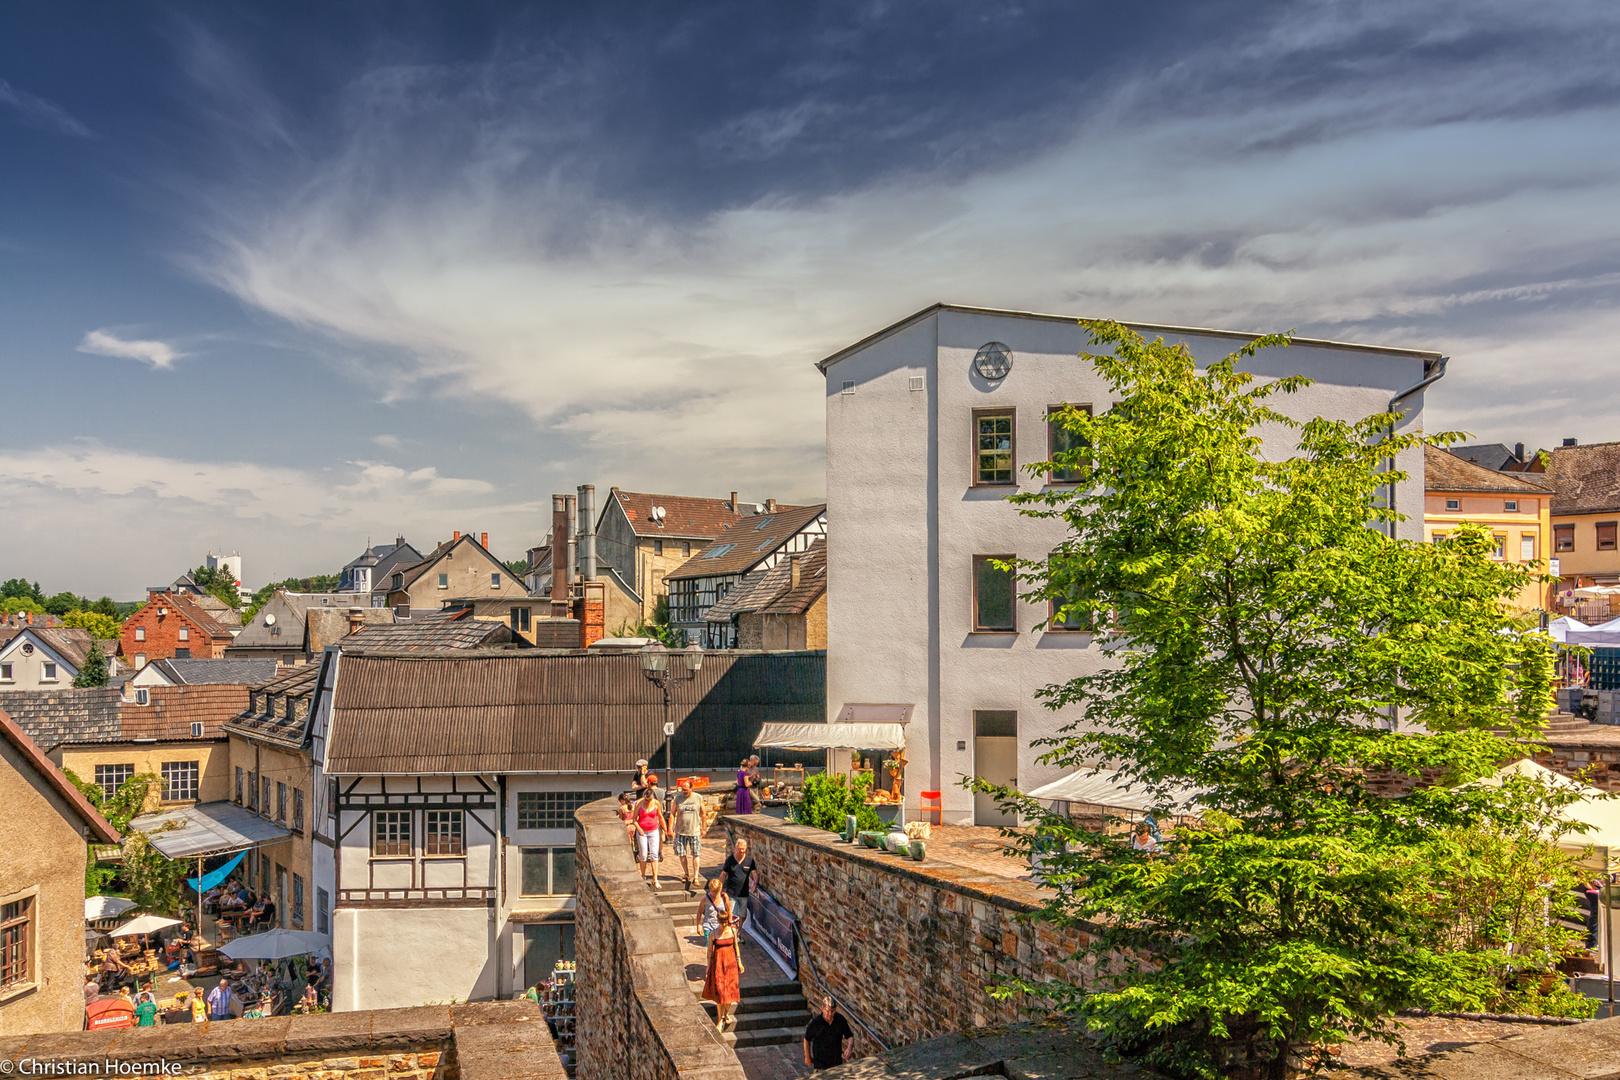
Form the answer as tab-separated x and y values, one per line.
655	664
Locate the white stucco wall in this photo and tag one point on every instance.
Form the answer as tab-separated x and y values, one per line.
389	958
909	520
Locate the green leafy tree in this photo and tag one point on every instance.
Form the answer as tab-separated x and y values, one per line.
1263	632
64	602
99	625
660	629
20	588
829	798
11	605
518	568
93	672
105	606
145	875
219	583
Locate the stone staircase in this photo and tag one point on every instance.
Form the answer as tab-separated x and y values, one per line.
769	1014
1563	723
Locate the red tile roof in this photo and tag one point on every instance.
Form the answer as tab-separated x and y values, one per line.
751	541
1444	471
684	515
173	709
1586	479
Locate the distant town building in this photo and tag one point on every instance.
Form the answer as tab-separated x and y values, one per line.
172	624
642	537
753	544
1585	514
372	568
294	628
1517	512
780	607
44	658
459	567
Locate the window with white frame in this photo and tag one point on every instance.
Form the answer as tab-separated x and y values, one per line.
552	809
140	633
547	872
1527	547
47	671
5	673
185	633
323	904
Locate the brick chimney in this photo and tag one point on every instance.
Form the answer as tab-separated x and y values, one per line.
456	537
357	620
770	506
735	508
483	540
559	557
793	571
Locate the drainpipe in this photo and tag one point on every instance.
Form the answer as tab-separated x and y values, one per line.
1432	375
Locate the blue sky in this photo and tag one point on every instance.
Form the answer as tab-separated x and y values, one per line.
279	278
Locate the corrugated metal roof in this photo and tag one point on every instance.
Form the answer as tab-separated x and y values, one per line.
572	711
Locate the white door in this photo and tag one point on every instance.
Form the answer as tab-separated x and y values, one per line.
995	758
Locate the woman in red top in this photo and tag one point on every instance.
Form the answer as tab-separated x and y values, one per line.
650	824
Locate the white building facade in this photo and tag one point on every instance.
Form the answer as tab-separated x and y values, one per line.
905	409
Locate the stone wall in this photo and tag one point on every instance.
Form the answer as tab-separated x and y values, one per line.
492	1041
636	1017
912	947
1598	766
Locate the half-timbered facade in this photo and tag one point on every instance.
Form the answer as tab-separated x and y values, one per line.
457	776
754	544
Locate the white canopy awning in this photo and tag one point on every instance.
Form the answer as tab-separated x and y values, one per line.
1100	789
188	832
1607	633
1600	814
1564	625
833	736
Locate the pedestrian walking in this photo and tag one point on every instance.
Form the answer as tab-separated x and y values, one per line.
828	1040
688	828
720	981
651	825
1143	840
199	1007
714	910
739	873
219	1001
745	789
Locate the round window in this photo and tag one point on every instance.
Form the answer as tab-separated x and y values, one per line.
993	361
28	648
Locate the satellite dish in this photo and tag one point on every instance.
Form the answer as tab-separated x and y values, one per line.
658	513
759	508
270	620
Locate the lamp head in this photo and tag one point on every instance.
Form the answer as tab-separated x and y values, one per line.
694	658
654	659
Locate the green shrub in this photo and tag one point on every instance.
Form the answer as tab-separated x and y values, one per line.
829	799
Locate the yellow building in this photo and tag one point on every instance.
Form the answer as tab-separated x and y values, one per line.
1586	516
1517	512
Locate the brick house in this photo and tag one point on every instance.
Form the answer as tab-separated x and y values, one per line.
43	833
170	624
642	538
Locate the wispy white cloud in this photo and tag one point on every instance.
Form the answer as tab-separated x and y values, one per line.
159	354
60	499
39	112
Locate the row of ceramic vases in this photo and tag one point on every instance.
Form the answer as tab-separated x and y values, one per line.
895	842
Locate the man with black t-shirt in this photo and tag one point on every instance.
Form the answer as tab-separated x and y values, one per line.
828	1039
738	875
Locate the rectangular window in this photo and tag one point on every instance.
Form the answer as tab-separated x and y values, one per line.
686	547
5	672
265	806
520	620
264	872
995	723
196	729
1563	538
185	633
253	791
140	660
1510	504
443	833
992	447
914	383
179	780
238	799
444	581
552	809
1605	535
48	672
848	387
547	872
1060	440
17	943
281	895
494	581
298	811
1453	504
109	778
1527	547
1435	538
658	547
390	832
140	633
281	803
992	595
298	902
323	904
1498	546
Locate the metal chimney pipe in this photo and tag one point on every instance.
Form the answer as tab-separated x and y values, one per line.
559	556
587	532
573	537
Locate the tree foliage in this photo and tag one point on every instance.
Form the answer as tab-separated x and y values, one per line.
220	583
99	625
659	629
93	672
318	583
1263	633
829	798
21	588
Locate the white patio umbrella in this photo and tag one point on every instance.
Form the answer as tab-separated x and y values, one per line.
144	924
105	907
274	945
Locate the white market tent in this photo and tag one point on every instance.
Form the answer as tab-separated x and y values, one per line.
105	907
1599	814
144	924
1100	789
1565	624
275	945
859	727
1602	635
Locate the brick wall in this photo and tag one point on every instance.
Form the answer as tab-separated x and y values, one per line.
163	633
912	947
637	1019
1598	766
494	1041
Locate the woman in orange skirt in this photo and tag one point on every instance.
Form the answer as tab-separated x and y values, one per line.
725	965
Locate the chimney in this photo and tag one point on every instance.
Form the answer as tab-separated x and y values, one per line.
456	537
587	532
793	570
572	565
770	506
1569	442
483	540
735	509
357	620
559	556
399	541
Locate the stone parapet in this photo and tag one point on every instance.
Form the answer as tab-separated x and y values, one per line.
635	1016
914	948
492	1041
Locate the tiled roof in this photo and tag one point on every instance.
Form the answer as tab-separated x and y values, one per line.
431	633
291	611
221	612
266	715
52	717
204	621
99	828
771	591
538	711
1446	472
201	672
684	515
69	642
1487	455
171	710
747	543
1586	479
